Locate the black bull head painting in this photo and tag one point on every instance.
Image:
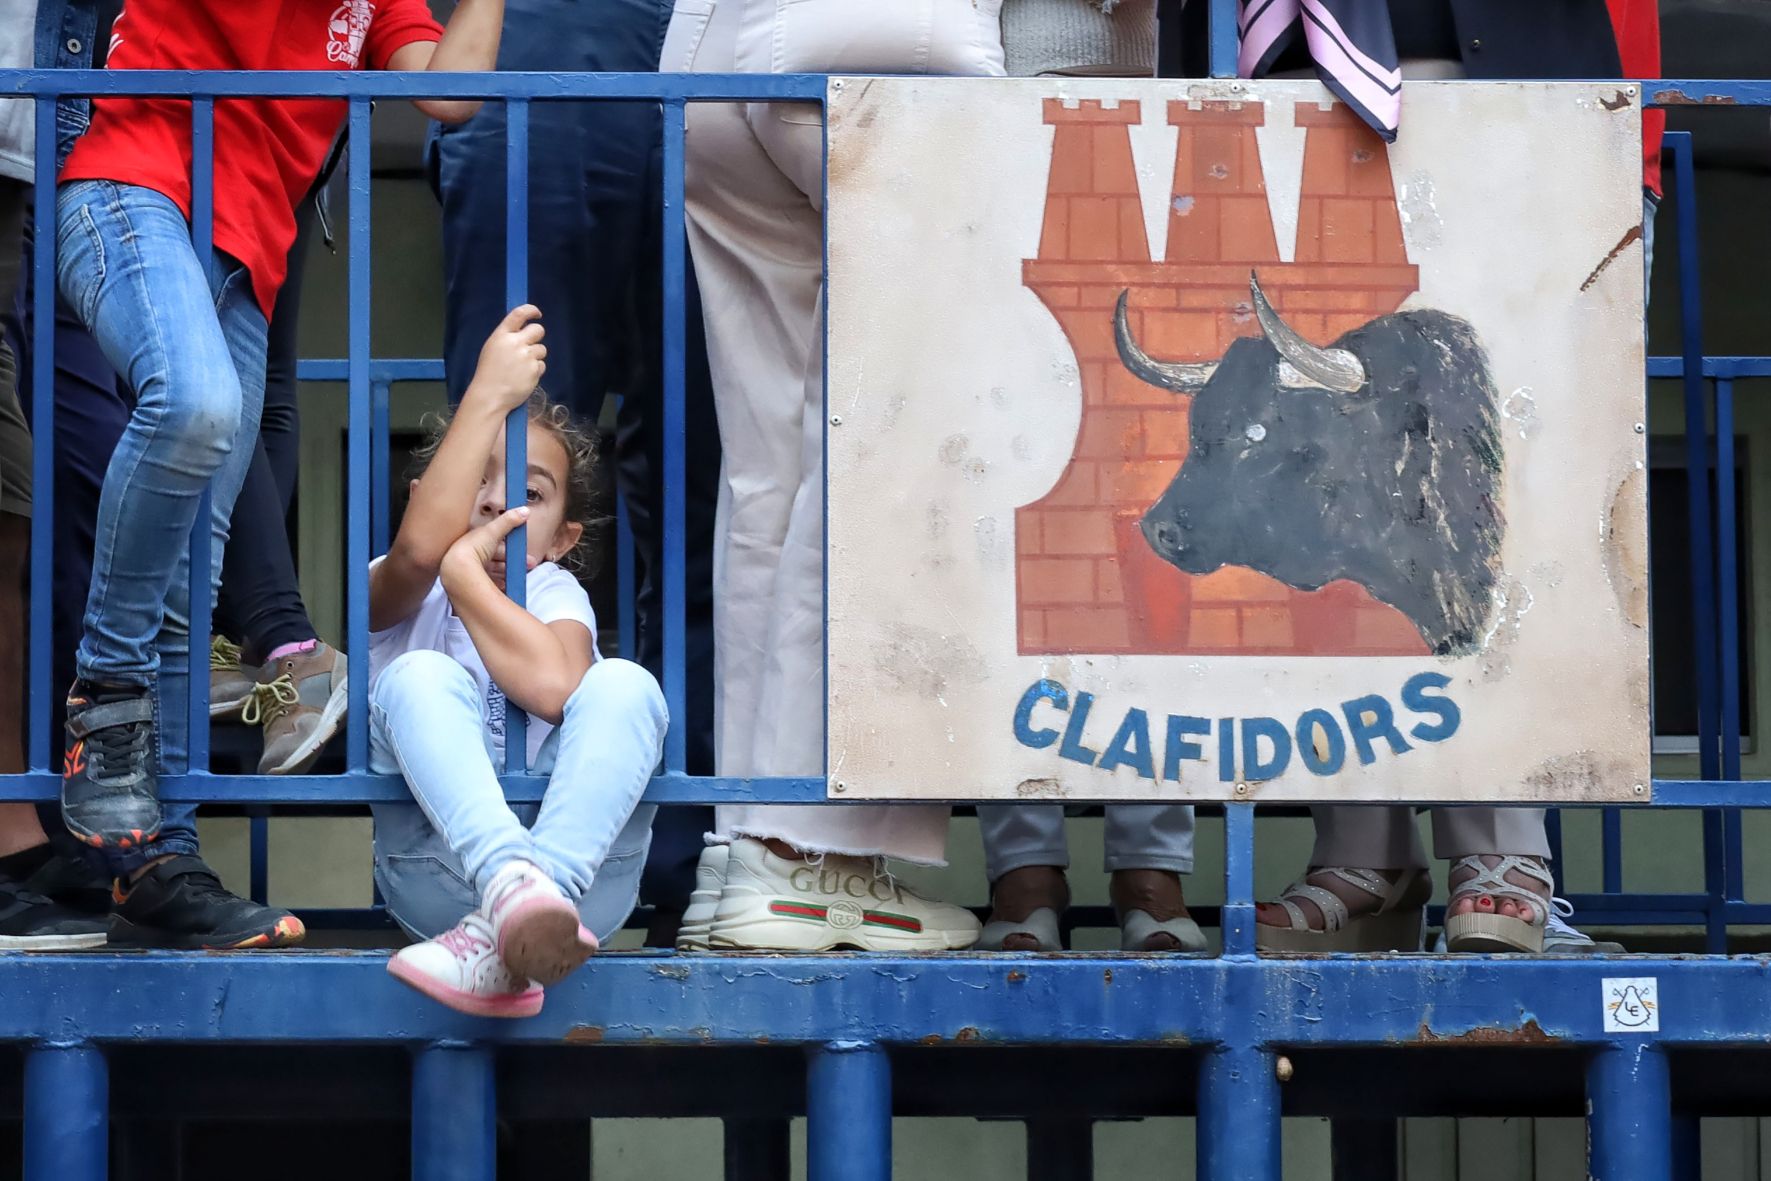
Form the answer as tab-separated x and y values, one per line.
1377	460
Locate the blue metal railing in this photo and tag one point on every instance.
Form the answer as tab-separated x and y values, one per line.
1236	1016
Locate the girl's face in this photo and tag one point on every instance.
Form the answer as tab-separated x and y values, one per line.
551	536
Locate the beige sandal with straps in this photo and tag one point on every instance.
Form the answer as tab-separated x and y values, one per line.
1491	931
1397	924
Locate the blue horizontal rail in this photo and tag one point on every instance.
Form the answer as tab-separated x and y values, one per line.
1001	999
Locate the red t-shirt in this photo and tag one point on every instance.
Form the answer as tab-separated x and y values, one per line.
267	151
1637	26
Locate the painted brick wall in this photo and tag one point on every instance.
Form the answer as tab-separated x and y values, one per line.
1086	581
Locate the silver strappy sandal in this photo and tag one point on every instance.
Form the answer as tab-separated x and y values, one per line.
1398	923
1490	931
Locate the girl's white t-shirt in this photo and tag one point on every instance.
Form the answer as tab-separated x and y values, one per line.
552	594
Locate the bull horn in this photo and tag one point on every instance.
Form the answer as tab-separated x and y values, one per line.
1335	369
1179	376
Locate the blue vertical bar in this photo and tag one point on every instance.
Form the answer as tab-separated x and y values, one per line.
359	484
1237	1136
1552	831
40	687
625	613
1734	857
1722	868
1687	1146
848	1111
203	557
1238	913
67	1112
1225	40
1727	574
380	488
675	444
259	862
1715	878
516	430
1611	849
1629	1114
1697	466
454	1114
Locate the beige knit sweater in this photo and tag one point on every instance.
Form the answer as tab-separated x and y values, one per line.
1106	37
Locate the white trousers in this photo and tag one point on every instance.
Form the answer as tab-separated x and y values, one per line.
754	176
1383	837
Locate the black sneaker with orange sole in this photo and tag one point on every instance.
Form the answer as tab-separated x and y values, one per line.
179	903
109	791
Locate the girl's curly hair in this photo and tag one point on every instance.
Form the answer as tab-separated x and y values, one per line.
580	446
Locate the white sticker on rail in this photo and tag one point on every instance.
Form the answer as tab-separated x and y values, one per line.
1632	1004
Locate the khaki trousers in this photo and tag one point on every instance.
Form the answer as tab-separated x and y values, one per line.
754	176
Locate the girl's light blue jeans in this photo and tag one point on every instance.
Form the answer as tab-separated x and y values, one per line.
590	833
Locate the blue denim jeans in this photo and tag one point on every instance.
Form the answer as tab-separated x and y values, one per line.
187	336
590	833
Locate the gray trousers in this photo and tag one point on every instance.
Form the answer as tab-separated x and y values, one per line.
1138	836
1382	837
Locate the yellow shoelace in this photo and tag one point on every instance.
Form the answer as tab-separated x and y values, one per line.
270	701
224	654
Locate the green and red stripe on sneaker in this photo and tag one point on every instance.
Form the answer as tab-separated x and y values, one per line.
821	914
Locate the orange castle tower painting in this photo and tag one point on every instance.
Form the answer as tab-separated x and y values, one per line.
1087	580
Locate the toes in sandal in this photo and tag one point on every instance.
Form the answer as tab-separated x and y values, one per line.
1492	931
1398	923
1041	926
1138	927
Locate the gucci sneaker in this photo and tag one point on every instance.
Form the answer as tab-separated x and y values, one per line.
710	879
535	928
229	684
461	969
109	790
301	701
772	903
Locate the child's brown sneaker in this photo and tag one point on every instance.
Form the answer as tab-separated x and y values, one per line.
301	701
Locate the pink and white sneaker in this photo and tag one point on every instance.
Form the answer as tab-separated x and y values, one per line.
461	968
534	925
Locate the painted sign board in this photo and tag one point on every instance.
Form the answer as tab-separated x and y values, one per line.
1188	442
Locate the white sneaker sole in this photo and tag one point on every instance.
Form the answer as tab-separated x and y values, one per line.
788	924
302	756
89	942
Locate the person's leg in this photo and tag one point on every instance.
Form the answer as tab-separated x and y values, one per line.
426	722
1500	877
1025	856
678	834
165	895
1364	890
1148	847
91	409
20	828
610	741
126	266
429	719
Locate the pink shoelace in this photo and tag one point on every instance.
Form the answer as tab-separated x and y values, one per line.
464	941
